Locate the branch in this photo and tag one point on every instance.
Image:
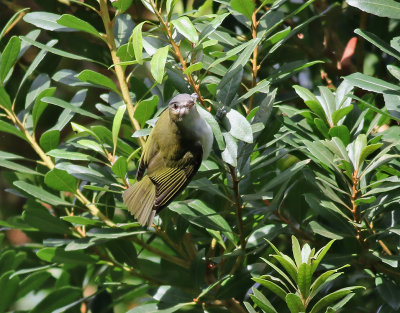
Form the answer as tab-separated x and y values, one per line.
255	67
119	71
178	54
238	206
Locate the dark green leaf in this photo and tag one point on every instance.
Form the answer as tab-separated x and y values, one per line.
9	289
69	106
342	132
32	282
122	5
60	180
57	299
59	255
40	193
374	39
228	86
50	140
11	129
262	302
72	21
40	106
9	56
294	303
16	167
5	98
145	109
120	167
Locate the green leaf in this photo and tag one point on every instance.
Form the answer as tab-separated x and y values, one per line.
40	106
341	132
262	302
40	83
39	217
59	255
157	64
9	289
209	118
69	106
56	51
17	167
249	308
371	83
296	251
186	28
96	78
310	100
40	193
229	155
246	7
32	282
70	155
272	287
122	5
57	299
288	264
238	126
50	140
198	213
383	8
332	297
137	42
120	167
339	114
45	20
294	303
377	41
228	86
117	125
389	291
60	180
81	220
193	68
5	98
145	109
368	150
323	279
322	127
9	56
74	22
304	279
11	129
319	256
15	16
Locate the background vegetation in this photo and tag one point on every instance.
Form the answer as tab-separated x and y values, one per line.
297	208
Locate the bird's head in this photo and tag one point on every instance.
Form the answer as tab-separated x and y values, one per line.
181	106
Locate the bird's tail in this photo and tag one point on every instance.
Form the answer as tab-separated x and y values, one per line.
139	199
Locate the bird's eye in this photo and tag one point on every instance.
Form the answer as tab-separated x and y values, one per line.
175	106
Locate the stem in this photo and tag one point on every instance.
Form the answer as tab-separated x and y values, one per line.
238	206
178	54
354	209
50	164
119	71
255	67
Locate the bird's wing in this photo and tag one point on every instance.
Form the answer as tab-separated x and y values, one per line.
173	178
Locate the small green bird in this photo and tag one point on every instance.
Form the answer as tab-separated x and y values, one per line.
178	143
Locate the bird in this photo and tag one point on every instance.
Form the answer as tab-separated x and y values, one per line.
171	156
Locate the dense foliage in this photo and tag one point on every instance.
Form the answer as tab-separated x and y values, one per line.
305	118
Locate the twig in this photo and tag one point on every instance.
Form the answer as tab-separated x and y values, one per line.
178	54
119	71
238	206
255	67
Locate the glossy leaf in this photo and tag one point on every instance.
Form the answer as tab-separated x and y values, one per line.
50	140
5	98
120	167
262	302
186	28
40	106
145	109
332	297
69	106
238	126
294	303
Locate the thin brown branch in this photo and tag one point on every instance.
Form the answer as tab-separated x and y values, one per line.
119	71
238	206
178	54
255	66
